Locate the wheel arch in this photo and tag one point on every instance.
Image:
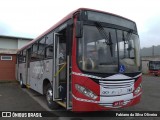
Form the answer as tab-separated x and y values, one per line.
45	83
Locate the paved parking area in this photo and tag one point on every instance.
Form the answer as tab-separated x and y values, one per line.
151	95
14	98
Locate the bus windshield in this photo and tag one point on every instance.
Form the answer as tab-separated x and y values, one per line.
103	50
154	65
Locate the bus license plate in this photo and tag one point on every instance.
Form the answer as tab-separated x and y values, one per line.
118	103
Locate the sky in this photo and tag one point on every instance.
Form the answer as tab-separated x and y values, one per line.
30	18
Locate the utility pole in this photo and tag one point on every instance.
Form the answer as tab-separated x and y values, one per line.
153	50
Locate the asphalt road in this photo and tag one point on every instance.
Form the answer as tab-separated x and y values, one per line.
151	95
14	98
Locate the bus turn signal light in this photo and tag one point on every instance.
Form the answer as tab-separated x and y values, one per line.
138	89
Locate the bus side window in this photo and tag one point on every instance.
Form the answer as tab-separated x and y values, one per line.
49	44
49	51
22	57
34	51
41	48
49	39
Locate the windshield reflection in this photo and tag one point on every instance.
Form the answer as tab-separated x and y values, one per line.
96	55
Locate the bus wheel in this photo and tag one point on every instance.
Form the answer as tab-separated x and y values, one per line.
155	74
21	82
49	97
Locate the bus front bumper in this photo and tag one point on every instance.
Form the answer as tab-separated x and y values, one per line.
105	103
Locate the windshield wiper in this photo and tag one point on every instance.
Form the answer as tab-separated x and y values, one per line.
107	37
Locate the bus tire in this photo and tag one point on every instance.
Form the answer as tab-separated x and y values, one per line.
49	98
156	75
21	82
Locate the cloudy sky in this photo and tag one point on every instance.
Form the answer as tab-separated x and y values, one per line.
29	18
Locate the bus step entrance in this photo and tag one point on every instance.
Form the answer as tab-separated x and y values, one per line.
63	104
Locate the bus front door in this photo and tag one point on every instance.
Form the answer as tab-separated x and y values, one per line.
61	84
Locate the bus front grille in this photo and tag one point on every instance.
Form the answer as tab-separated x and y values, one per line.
116	83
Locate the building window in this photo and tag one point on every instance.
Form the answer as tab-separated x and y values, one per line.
6	57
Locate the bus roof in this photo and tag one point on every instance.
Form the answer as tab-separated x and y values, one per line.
63	20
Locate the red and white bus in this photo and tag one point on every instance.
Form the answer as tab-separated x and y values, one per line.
88	61
154	67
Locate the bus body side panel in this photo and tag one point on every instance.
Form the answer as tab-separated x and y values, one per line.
40	71
47	75
154	72
22	72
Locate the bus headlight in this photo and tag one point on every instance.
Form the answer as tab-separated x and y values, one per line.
86	91
138	89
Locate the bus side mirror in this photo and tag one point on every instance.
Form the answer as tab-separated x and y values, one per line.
79	29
